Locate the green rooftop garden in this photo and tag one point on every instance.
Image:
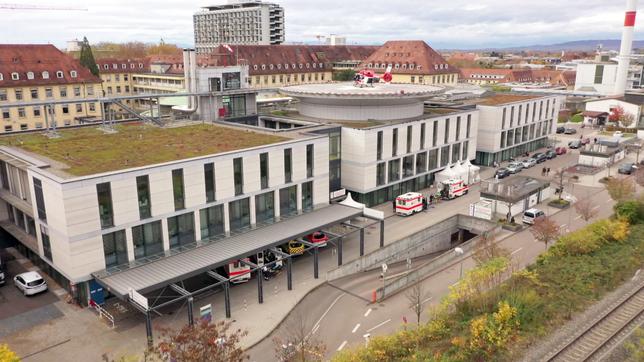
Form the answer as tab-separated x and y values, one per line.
88	151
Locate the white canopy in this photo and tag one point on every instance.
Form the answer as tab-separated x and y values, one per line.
474	171
446	174
460	171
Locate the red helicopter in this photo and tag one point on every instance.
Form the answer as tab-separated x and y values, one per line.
367	77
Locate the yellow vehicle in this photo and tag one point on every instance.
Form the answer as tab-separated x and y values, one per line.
295	247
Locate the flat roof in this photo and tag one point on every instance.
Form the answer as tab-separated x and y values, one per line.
500	99
89	150
348	90
512	189
167	270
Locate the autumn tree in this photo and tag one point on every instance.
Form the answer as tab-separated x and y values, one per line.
487	248
205	341
586	209
620	189
616	114
297	342
87	57
545	230
7	355
415	297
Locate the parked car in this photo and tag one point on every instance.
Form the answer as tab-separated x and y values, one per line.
550	154
515	167
627	168
561	150
529	162
502	173
561	130
574	144
30	283
539	157
618	134
570	131
530	215
318	237
585	141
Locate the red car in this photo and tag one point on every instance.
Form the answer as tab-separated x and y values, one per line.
561	150
318	237
585	141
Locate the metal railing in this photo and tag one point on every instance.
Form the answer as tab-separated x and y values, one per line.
102	313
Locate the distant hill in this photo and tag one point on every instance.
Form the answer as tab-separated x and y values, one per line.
578	45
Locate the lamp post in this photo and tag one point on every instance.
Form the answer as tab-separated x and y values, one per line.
459	252
469	173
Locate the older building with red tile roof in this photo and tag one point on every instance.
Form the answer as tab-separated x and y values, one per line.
412	61
484	76
41	72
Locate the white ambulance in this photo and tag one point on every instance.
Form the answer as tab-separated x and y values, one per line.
453	188
410	203
238	272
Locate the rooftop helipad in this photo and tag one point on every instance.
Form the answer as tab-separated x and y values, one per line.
347	89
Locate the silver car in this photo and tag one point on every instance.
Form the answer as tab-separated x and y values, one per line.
30	283
515	167
529	162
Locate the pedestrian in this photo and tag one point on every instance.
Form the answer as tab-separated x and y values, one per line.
393	203
431	199
595	139
543	171
424	203
548	171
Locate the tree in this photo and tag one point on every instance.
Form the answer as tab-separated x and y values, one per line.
487	249
620	189
586	209
616	114
415	296
344	75
298	343
545	230
626	120
7	355
205	341
87	57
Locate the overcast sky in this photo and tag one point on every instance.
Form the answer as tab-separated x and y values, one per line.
443	24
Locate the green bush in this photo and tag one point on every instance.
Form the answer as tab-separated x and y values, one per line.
577	118
631	210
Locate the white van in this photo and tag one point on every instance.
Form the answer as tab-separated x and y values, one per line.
530	215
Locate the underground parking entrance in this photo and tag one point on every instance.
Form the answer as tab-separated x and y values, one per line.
171	282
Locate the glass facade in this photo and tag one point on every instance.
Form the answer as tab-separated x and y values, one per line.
394	170
148	239
238	175
40	200
209	178
105	212
408	166
115	248
379	146
288	201
488	158
239	214
394	142
307	195
181	229
421	162
432	159
288	165
444	156
309	161
263	170
381	176
143	193
46	243
265	207
212	221
409	138
389	193
335	148
178	190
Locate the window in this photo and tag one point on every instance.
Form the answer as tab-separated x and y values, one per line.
21	112
212	221
209	178
456	152
288	165
307	195
18	93
469	124
444	156
309	161
79	108
36	111
288	201
519	114
147	239
394	170
90	90
265	207
409	138
105	212
432	159
8	128
421	163
599	74
115	249
238	174
503	134
446	138
3	94
177	189
73	74
511	116
46	243
6	114
143	193
394	142
422	136
15	76
503	118
63	91
77	91
408	166
59	74
239	214
458	127
34	93
540	110
379	146
49	92
381	177
92	107
45	75
181	229
435	134
466	150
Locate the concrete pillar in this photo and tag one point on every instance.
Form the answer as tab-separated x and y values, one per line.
130	244
260	288
164	232
382	233
227	298
339	251
148	329
316	252
226	219
362	242
251	206
197	225
289	274
191	319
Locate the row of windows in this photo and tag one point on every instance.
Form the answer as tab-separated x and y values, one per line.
286	66
288	77
37	111
45	75
422	136
436	79
34	93
148	238
116	66
117	77
525	133
519	112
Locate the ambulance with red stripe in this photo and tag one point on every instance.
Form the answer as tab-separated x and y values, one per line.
453	188
410	203
238	272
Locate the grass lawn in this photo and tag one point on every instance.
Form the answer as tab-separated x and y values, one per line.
89	151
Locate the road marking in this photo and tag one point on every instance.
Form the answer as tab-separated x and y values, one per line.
578	217
379	325
636	274
516	251
562	226
367	312
426	300
315	329
355	328
344	343
596	207
317	324
454	284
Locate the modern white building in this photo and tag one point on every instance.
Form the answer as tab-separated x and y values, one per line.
600	77
238	22
511	125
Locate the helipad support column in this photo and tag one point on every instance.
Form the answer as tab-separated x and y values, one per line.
227	298
382	233
260	288
362	242
289	275
148	329
191	318
339	251
316	253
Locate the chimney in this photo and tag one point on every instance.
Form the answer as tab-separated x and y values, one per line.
626	48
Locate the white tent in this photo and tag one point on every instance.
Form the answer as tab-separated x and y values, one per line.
474	172
444	175
460	171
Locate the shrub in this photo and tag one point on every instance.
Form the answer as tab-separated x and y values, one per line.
577	118
630	210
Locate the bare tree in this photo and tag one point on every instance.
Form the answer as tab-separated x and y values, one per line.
545	230
415	296
298	342
586	209
626	120
487	248
620	189
205	341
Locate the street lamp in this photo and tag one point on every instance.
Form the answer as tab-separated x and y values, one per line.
469	173
459	252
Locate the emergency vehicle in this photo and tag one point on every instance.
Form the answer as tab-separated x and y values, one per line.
238	272
453	188
410	203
